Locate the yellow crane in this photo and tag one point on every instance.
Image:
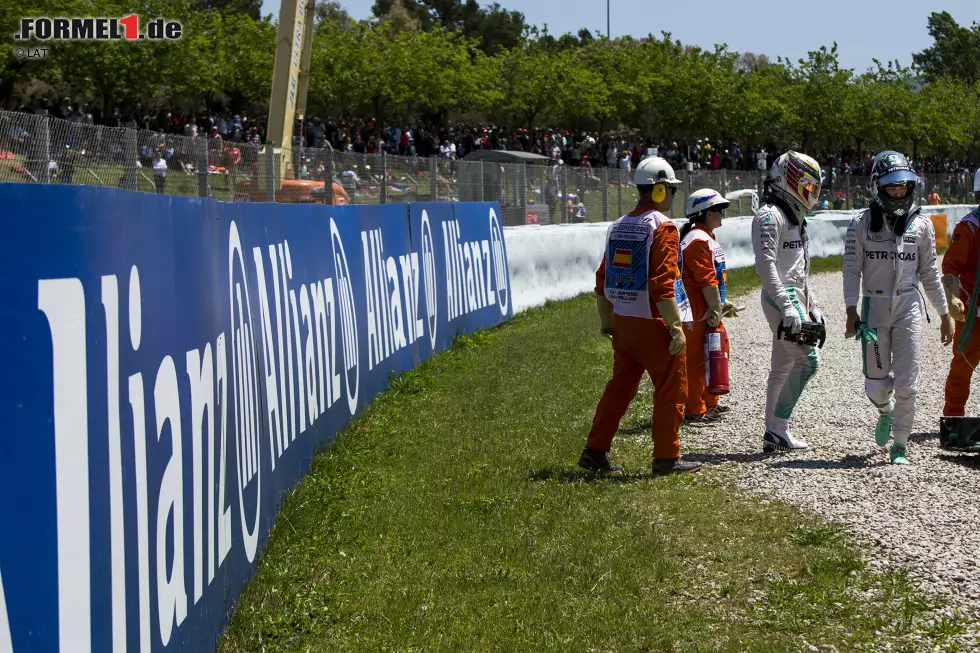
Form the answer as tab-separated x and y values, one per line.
290	81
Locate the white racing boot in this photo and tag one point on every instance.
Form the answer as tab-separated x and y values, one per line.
780	439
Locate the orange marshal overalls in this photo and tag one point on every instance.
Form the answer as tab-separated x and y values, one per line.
641	344
961	260
699	271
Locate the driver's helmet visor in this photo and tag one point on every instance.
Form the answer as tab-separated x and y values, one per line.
897	177
903	179
807	190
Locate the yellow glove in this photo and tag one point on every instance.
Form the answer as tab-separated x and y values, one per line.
712	295
730	310
605	308
957	310
672	316
951	284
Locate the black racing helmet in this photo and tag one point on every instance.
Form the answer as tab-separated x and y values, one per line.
892	168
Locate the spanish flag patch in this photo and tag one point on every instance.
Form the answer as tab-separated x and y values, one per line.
623	258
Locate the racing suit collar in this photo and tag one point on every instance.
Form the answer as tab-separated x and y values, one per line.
703	227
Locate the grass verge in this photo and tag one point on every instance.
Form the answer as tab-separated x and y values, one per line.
452	516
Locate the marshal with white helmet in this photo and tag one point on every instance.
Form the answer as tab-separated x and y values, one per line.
655	170
705	279
701	200
643	306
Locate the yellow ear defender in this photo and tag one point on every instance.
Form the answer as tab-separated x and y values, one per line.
659	193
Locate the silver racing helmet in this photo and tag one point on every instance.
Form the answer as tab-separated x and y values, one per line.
892	168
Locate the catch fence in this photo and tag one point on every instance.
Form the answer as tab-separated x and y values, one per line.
42	149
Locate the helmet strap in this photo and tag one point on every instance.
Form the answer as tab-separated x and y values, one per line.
877	217
776	200
897	224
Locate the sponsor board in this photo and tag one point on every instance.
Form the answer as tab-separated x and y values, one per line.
171	364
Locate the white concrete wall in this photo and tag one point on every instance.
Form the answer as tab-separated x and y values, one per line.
559	261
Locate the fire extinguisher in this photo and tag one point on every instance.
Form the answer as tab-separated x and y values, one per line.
716	350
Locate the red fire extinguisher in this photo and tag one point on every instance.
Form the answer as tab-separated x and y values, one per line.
716	348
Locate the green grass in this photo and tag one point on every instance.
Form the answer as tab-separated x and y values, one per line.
452	517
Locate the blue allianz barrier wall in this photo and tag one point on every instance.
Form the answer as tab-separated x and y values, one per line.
169	367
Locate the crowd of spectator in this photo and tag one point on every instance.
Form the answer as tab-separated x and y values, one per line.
575	148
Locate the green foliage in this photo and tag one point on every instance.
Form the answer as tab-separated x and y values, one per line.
221	53
955	53
494	27
446	59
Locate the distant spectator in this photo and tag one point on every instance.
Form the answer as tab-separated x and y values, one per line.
160	172
447	150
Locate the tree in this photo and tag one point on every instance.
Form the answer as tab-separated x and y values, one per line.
332	12
750	62
398	19
955	51
495	28
956	105
395	74
536	83
250	8
110	72
821	107
622	74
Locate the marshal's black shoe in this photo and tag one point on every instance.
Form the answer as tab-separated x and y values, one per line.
674	466
705	418
598	461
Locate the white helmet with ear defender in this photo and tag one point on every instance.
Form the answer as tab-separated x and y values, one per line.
655	170
700	201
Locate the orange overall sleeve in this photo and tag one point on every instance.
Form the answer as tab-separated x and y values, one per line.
960	259
699	265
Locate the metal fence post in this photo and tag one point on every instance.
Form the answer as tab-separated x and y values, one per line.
522	187
270	177
97	148
202	168
46	159
130	176
563	194
604	180
619	191
483	181
328	177
383	195
434	178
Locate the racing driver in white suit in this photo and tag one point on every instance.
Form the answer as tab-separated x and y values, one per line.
782	260
890	248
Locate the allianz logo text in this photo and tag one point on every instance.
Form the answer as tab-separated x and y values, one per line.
159	431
